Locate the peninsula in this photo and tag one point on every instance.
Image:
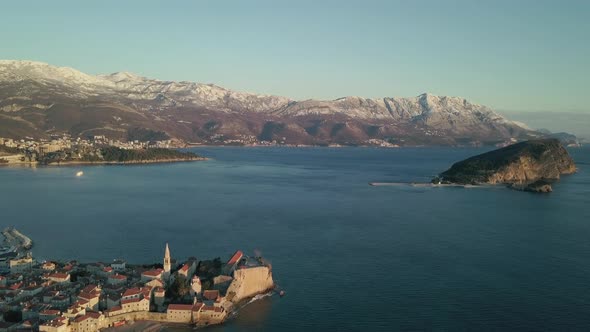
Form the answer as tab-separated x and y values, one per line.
529	166
95	150
56	296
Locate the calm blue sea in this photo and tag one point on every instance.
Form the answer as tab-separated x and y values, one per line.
350	256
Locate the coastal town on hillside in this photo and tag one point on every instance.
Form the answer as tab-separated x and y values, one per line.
29	149
72	296
14	151
97	149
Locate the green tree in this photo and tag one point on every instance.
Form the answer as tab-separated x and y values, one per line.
180	287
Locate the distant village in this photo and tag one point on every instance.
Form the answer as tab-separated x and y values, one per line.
72	296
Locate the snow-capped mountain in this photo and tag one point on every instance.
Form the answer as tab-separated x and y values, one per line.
38	99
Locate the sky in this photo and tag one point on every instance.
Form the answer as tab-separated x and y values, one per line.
511	55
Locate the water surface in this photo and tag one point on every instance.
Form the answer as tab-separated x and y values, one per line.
350	256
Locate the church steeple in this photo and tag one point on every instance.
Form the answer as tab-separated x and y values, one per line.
167	259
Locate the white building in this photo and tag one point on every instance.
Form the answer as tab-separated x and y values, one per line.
21	265
118	265
195	286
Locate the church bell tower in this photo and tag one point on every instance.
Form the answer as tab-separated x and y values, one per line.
167	263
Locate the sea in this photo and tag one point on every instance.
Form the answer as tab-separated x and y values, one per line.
350	256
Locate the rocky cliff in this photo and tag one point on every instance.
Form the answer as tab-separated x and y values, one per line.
522	165
37	100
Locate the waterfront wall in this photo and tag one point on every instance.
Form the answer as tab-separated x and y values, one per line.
250	282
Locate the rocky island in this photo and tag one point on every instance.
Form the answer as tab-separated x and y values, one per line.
528	166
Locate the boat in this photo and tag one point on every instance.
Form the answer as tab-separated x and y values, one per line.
80	173
282	293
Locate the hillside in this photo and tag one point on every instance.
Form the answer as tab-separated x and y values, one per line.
37	100
114	155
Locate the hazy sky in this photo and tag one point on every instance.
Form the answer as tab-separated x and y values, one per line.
512	55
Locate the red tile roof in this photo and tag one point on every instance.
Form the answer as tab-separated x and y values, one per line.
211	294
153	273
17	285
88	296
93	314
80	303
212	308
180	307
147	292
127	301
113	309
235	258
118	277
89	288
82	318
58	275
132	292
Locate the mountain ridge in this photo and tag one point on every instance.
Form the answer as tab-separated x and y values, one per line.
199	112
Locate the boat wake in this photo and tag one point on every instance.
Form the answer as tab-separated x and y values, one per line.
259	297
252	300
430	185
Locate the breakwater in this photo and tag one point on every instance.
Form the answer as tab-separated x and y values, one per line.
17	239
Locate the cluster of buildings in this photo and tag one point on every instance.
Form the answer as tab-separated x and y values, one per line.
72	296
380	143
244	140
30	149
66	142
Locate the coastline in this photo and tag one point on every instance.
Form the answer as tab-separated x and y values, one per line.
132	162
108	163
431	185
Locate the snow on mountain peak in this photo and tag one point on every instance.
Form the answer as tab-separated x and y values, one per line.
123	76
426	106
43	72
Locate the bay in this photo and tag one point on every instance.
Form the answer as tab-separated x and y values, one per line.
350	256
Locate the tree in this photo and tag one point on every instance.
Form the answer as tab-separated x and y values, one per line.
13	316
180	287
